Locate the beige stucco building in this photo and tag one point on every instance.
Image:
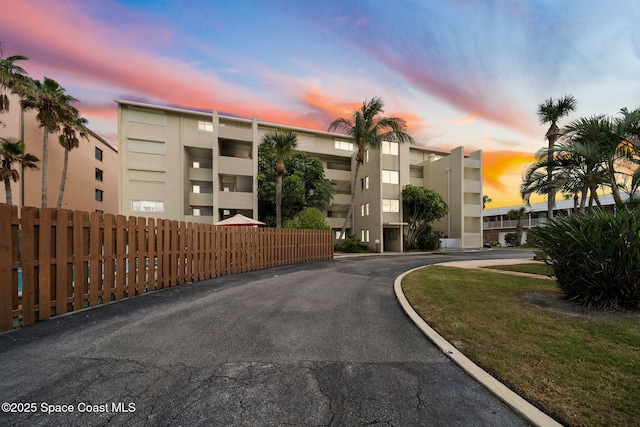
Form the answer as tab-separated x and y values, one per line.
92	178
201	166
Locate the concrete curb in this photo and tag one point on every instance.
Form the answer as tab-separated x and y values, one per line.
513	400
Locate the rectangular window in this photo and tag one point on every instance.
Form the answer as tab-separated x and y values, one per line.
367	235
147	206
366	155
99	194
339	236
205	126
391	148
366	182
390	205
343	145
98	175
366	209
362	235
390	177
202	211
361	210
98	154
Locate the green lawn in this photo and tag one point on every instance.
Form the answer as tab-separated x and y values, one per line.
579	370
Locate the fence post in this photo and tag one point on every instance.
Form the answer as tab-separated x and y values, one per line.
62	287
95	257
29	239
6	259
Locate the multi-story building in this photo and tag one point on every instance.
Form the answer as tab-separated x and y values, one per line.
201	166
92	180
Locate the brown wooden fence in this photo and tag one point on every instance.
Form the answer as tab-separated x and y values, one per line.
71	260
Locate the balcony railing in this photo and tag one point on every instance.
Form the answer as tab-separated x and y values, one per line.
512	223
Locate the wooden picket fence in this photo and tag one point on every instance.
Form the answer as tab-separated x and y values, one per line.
71	260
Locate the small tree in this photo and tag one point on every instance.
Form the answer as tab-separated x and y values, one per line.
421	208
283	145
518	214
308	219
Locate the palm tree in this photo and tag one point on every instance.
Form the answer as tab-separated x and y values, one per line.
69	140
12	153
368	128
551	111
518	214
13	78
485	201
284	144
53	106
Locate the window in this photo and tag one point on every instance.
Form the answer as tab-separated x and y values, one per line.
366	209
390	205
147	206
205	126
364	234
343	145
99	211
389	147
339	236
366	155
199	188
98	175
366	182
367	235
99	194
390	177
98	154
361	210
201	164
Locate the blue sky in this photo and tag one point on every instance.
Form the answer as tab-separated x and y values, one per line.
468	73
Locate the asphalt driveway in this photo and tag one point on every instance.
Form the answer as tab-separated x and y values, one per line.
316	344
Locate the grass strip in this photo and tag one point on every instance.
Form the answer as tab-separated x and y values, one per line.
530	268
581	371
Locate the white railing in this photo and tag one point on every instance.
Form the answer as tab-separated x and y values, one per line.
512	223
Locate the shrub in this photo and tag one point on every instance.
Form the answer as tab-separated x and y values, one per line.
511	239
595	257
352	246
309	219
428	241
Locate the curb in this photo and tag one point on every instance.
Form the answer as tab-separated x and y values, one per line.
508	396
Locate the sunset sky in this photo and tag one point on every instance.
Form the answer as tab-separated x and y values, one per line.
460	72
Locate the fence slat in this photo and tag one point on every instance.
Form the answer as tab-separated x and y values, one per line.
6	281
29	248
109	258
121	261
95	257
44	264
141	230
62	229
131	256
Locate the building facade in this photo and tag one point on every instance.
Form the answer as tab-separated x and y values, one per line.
92	178
202	166
497	223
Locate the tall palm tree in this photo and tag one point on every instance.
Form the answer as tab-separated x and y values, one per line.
550	112
486	200
284	144
13	78
518	214
71	130
12	153
368	128
53	106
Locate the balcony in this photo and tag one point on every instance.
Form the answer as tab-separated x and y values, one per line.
472	186
235	166
201	199
472	210
235	200
337	175
200	174
341	199
239	134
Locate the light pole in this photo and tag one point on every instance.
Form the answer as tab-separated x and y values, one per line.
449	202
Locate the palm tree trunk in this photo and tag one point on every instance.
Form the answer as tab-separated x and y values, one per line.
7	187
278	201
63	180
353	200
45	166
552	135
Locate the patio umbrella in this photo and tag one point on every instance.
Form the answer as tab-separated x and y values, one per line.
240	220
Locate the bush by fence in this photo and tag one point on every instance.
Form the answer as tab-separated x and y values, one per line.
72	260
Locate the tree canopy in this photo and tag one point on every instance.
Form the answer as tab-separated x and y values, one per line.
303	185
308	219
421	208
